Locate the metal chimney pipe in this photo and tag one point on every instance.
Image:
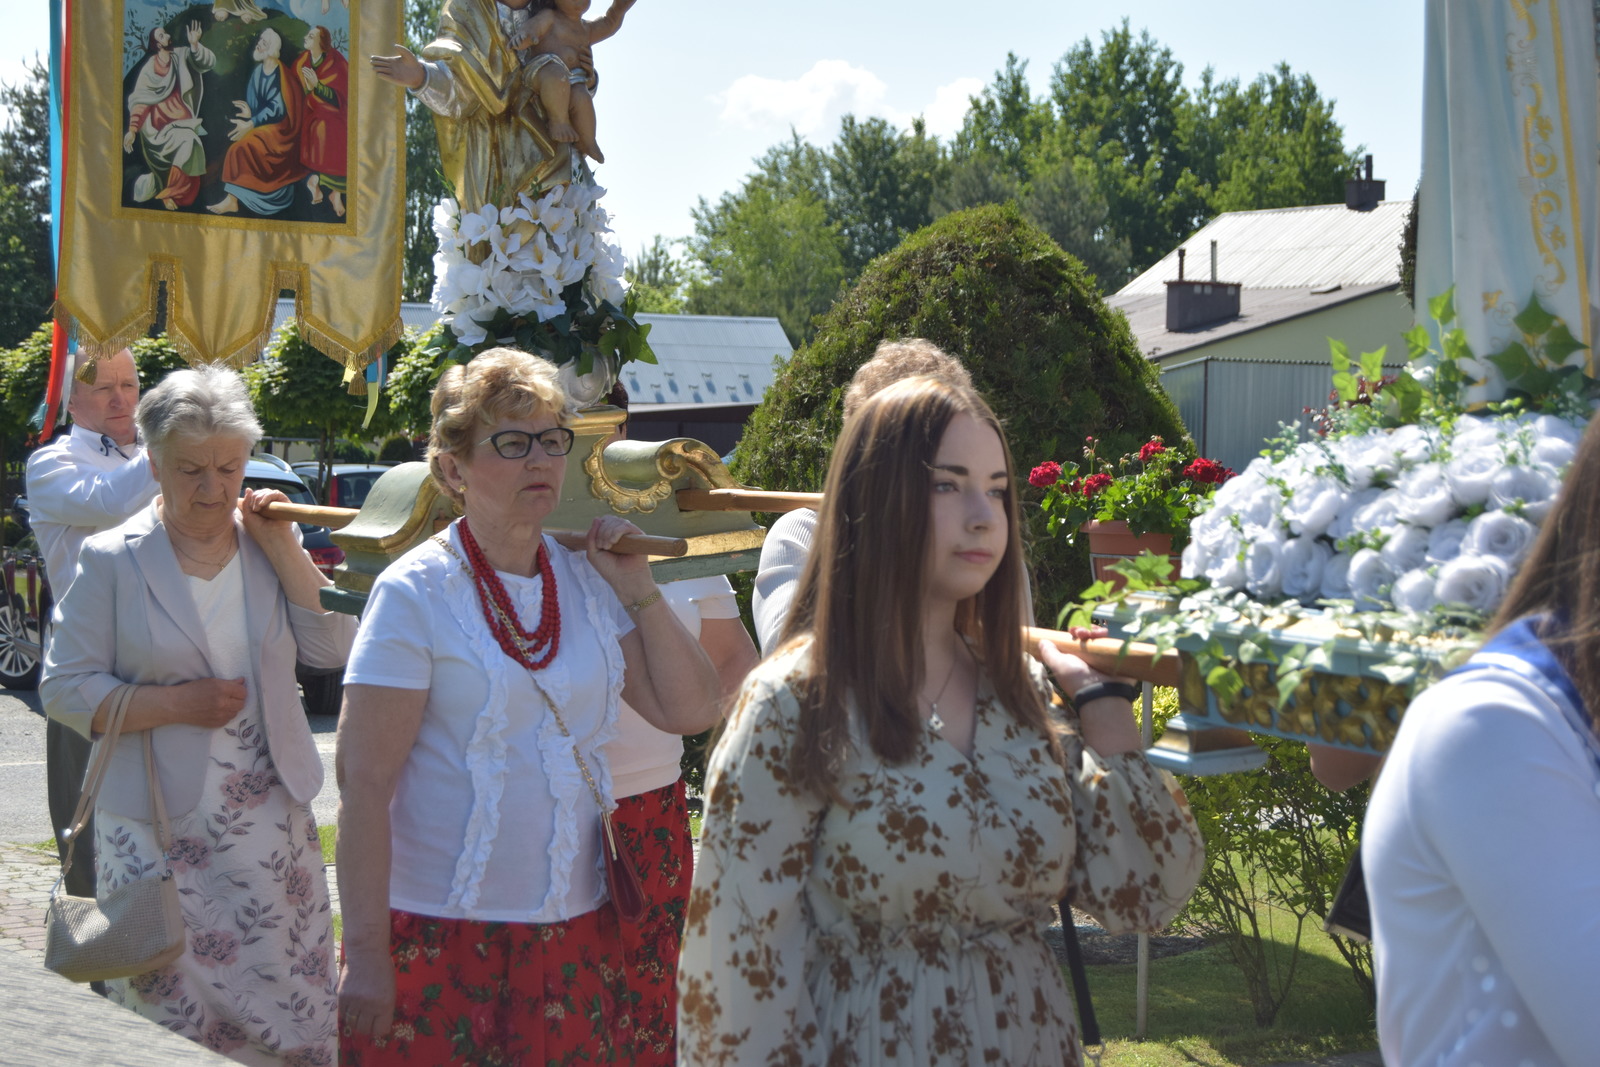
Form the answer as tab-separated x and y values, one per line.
1369	166
1213	261
1180	264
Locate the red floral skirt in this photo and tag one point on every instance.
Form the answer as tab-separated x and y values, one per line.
655	828
504	994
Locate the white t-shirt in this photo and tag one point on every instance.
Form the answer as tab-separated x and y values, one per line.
645	758
491	818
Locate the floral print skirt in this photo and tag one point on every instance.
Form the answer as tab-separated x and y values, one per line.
256	982
655	828
513	994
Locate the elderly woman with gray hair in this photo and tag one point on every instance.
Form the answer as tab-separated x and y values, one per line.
203	604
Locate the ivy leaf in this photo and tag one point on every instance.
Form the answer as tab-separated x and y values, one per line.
1419	343
1534	320
1372	364
1394	673
1226	683
1443	307
1559	344
1339	353
1513	360
1346	386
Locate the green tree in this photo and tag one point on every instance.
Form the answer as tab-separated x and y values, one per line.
880	186
657	277
27	267
24	373
1280	145
300	392
412	377
987	286
1124	107
1002	125
759	252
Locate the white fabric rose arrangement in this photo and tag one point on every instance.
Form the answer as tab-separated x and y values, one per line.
1414	518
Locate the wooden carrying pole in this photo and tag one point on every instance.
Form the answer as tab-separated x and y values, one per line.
745	500
1112	655
1108	655
628	545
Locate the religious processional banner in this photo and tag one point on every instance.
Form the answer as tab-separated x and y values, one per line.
230	149
1510	170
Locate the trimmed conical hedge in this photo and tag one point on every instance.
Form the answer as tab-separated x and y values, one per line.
1053	360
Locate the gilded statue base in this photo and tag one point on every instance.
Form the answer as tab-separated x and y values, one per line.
635	479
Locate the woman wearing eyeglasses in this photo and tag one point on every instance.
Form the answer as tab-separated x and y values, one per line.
485	681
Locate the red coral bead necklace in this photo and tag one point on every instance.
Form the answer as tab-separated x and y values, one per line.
501	614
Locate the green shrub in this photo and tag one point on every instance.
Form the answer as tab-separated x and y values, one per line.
397	449
1277	843
345	450
1053	360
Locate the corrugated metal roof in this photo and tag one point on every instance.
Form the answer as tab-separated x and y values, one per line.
1258	308
1290	248
707	359
703	359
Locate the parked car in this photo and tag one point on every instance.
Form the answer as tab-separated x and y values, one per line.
348	484
26	601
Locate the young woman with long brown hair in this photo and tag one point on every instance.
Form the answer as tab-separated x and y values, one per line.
895	806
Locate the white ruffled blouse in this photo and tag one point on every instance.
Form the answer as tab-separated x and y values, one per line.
492	819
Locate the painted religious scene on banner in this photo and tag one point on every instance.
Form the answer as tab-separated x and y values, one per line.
237	108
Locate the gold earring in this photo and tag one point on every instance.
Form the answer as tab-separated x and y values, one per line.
463	488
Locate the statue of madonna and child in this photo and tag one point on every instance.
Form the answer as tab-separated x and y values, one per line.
524	241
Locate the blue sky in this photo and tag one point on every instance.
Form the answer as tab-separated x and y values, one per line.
691	93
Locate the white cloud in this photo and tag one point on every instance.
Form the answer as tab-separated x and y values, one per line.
814	102
949	108
811	103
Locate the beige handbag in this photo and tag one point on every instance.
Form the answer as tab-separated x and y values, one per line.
139	926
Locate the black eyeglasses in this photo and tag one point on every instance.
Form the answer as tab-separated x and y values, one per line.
516	444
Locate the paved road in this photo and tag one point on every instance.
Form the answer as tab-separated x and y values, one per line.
24	816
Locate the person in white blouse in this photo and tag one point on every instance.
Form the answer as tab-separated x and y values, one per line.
475	791
1479	841
653	809
84	481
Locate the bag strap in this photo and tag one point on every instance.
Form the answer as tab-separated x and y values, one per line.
95	777
1087	1024
121	700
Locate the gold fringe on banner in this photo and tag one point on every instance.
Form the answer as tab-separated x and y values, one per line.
222	274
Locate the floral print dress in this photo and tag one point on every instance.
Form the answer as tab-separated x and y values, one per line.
256	982
904	924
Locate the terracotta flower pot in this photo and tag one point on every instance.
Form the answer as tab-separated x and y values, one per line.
1113	541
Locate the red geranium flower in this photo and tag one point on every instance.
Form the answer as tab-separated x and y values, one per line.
1045	474
1094	483
1151	449
1207	471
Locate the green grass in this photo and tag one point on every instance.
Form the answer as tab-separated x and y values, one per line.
326	834
1199	1012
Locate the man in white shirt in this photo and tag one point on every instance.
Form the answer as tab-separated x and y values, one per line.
85	481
